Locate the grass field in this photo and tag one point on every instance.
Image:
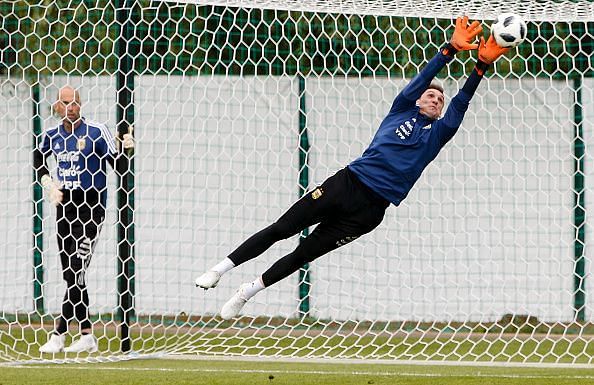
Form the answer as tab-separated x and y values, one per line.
267	372
298	360
22	344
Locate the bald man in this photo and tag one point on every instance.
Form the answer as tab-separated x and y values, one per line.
82	148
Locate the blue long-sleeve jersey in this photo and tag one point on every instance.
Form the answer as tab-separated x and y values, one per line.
407	141
81	155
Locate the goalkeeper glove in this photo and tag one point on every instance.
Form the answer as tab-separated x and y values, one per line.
464	34
128	139
489	52
52	188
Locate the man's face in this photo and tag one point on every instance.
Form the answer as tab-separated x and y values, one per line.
431	103
68	105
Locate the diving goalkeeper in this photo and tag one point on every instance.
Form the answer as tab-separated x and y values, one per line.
353	201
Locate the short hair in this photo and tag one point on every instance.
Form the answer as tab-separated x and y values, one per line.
435	86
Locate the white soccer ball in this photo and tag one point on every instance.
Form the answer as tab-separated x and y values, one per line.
509	30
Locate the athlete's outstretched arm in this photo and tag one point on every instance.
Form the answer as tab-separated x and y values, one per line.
461	40
488	53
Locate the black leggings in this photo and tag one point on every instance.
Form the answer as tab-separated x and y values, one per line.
344	209
79	220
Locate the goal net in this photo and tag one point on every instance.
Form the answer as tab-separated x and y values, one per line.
240	107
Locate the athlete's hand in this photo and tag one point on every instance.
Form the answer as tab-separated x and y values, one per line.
52	189
489	52
464	34
128	139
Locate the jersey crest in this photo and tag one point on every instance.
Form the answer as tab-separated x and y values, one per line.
317	193
81	143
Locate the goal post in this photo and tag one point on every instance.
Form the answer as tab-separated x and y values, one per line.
125	87
238	109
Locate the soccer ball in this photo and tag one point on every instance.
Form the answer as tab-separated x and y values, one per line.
509	30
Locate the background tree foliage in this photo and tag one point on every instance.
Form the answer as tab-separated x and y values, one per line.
64	36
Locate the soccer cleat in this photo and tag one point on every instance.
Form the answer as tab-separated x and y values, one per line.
86	343
232	307
54	345
208	280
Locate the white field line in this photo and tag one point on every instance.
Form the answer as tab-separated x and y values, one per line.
312	372
292	360
366	361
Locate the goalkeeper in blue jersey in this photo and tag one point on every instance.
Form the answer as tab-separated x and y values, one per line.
353	201
82	149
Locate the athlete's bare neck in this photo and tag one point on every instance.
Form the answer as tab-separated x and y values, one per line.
69	127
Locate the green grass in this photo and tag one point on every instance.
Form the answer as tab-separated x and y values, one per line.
19	344
177	372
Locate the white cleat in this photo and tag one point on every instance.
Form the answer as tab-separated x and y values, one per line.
54	345
86	343
208	280
232	308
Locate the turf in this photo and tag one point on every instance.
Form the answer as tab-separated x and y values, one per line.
176	372
18	344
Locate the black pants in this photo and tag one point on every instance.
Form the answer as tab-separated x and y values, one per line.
79	220
344	209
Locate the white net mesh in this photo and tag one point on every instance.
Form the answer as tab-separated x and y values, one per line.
558	10
484	261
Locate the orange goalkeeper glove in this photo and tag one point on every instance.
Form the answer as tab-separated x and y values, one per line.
464	34
489	52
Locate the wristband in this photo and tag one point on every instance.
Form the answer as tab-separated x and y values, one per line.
481	67
449	50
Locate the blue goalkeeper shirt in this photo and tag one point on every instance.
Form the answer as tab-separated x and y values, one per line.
81	155
407	141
